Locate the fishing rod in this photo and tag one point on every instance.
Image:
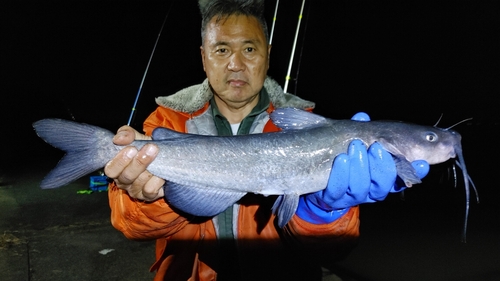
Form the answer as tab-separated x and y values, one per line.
301	51
274	22
287	78
132	113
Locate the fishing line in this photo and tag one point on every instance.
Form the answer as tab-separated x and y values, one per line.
287	78
274	22
132	113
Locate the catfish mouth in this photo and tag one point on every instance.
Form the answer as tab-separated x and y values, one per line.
441	154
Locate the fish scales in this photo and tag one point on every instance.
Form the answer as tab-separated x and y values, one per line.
265	163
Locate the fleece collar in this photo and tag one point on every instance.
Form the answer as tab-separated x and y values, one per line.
193	98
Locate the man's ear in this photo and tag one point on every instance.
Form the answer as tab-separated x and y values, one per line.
202	51
269	55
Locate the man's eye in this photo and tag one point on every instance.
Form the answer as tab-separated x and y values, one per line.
250	49
222	50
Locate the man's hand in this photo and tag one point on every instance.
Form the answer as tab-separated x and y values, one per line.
128	168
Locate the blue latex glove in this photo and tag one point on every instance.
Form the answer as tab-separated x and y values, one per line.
374	178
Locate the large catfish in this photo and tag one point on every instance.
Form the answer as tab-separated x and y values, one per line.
207	174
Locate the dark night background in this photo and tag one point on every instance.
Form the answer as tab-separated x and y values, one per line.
411	60
401	60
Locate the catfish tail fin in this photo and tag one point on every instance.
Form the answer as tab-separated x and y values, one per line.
83	145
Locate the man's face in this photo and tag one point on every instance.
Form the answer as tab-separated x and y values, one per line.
235	58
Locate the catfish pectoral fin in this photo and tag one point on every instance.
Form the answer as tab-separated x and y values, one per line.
406	171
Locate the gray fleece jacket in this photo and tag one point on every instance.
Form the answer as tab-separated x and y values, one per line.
193	98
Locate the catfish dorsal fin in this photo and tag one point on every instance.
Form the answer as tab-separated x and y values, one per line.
292	118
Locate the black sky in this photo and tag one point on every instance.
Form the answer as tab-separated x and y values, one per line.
405	60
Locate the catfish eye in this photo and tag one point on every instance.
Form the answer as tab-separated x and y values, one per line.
431	137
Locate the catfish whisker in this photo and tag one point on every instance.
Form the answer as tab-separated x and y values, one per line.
435	125
465	120
470	180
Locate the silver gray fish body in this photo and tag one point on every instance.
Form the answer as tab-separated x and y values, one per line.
207	174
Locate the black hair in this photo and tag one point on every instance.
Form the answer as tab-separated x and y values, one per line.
225	8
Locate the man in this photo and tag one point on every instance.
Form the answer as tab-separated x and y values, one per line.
244	242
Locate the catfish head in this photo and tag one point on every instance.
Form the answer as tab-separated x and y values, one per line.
416	142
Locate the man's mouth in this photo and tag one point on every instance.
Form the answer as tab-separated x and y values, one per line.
236	83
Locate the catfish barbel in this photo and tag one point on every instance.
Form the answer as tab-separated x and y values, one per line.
207	174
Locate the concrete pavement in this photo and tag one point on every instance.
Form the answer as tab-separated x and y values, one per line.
62	235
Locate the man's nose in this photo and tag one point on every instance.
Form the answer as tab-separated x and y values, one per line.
236	62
